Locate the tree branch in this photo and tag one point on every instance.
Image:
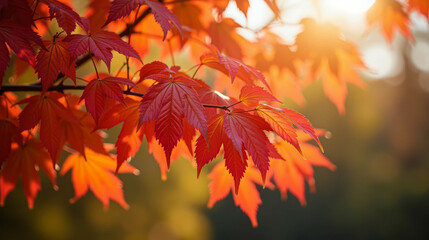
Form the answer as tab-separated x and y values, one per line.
56	88
61	88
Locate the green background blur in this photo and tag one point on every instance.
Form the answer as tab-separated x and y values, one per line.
380	189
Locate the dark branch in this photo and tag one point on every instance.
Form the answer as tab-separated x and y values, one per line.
56	88
217	106
38	88
61	88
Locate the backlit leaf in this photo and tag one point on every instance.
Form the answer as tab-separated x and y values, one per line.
24	161
96	173
101	44
97	90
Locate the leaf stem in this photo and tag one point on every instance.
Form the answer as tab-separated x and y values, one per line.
251	110
120	69
171	52
93	63
35	7
40	18
234	104
198	68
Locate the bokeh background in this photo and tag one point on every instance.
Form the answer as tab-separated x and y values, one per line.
380	189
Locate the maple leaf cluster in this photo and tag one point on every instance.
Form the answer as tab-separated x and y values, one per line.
258	140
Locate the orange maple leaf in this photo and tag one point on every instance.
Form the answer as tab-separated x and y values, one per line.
96	173
247	197
181	150
333	58
47	110
224	36
289	175
25	160
391	16
8	124
421	6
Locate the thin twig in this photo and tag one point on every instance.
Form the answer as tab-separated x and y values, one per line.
234	104
198	68
171	53
93	63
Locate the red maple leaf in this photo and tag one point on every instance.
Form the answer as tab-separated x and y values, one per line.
48	111
252	95
238	132
164	17
232	67
281	120
289	175
96	173
97	90
209	96
96	13
24	161
8	124
122	8
246	132
280	123
206	151
52	60
150	69
66	17
80	134
101	44
18	38
168	101
17	11
10	133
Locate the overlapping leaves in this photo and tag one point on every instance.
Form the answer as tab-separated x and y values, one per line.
258	140
168	101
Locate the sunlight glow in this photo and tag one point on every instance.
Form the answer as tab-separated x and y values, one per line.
383	61
221	95
420	55
347	6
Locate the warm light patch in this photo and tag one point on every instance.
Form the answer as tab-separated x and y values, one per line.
347	6
221	95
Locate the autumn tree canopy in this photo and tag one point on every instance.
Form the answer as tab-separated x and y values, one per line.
227	105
